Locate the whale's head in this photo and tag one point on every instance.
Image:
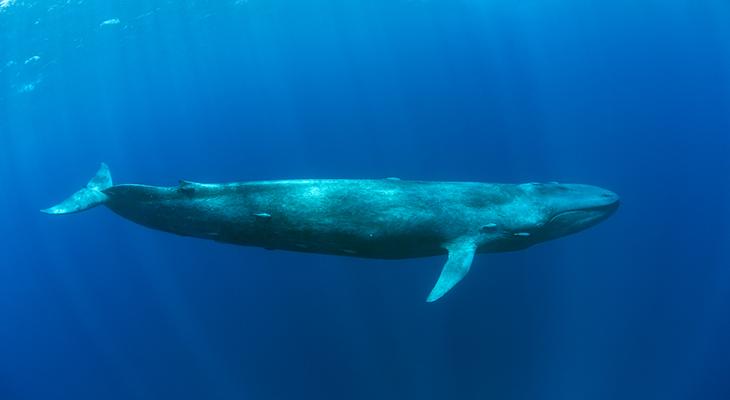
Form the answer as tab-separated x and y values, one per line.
545	211
572	208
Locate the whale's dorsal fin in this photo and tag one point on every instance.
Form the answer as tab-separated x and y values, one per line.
189	187
461	254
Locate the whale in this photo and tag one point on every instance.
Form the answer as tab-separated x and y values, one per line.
385	218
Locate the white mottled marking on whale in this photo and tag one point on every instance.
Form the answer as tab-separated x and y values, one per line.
112	21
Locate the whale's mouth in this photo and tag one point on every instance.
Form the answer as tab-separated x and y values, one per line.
578	219
606	209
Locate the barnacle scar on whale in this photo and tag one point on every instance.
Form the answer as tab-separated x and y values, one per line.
370	218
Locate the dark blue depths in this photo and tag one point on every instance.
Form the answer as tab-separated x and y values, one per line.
633	96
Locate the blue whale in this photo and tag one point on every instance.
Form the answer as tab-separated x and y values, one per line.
379	218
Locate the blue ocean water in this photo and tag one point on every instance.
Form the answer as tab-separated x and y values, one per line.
633	96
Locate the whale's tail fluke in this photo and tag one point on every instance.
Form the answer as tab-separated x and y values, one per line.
90	196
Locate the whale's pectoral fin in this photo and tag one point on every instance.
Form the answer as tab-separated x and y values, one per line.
90	196
461	255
